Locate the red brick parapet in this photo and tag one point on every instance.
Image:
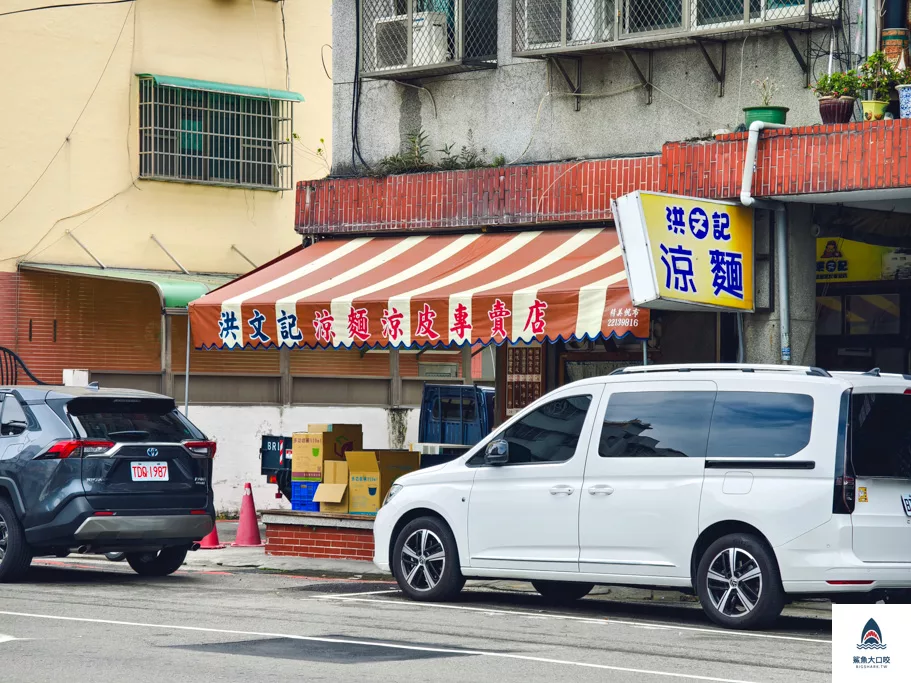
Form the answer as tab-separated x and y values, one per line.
340	537
793	161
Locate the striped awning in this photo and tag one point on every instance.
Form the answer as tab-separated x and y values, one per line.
419	290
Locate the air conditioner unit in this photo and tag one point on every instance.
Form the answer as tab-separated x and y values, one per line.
587	21
542	24
430	44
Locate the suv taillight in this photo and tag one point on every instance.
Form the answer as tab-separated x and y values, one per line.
201	449
77	448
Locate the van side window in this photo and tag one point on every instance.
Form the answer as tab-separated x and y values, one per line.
547	434
656	424
881	435
753	424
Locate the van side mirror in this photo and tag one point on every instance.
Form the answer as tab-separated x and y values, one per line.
497	453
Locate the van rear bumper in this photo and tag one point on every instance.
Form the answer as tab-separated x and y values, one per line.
823	561
143	528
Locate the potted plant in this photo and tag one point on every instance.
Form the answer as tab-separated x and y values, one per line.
766	112
903	86
837	93
876	76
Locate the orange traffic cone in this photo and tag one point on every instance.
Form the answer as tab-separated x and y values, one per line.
211	541
247	527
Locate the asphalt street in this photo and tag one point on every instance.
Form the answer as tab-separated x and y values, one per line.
90	621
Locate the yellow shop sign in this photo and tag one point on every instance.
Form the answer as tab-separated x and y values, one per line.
683	253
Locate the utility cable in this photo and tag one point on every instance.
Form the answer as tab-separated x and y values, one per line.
69	4
76	123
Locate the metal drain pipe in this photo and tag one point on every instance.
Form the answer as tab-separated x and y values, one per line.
781	233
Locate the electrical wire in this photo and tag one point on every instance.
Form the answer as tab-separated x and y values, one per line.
69	4
285	41
356	92
322	56
76	123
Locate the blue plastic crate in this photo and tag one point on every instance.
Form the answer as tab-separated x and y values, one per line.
302	493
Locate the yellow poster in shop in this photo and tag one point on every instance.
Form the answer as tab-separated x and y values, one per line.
701	251
841	260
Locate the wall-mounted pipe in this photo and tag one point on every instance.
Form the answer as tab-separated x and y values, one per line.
781	234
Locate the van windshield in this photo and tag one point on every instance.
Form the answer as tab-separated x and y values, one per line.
881	435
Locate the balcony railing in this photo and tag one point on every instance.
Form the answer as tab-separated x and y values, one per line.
412	38
571	26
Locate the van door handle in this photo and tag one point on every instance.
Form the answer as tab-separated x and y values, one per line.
565	489
601	490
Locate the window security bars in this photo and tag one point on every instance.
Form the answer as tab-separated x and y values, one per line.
196	136
402	38
561	26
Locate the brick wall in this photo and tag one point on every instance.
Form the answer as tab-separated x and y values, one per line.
520	195
806	160
319	541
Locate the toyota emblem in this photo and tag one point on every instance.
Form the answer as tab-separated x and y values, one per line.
152	452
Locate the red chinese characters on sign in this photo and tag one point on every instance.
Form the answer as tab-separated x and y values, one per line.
358	324
498	314
424	328
535	320
461	324
322	325
392	324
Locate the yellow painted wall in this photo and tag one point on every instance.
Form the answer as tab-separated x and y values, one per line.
50	62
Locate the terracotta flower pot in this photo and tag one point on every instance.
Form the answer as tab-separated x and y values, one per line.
836	109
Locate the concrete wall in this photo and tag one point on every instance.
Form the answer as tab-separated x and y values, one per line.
238	430
762	331
522	111
84	177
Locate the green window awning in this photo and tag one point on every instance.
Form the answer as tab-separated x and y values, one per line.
176	289
224	88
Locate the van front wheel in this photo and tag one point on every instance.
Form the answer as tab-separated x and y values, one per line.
425	561
738	583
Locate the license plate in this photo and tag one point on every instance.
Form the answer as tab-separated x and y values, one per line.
906	501
146	471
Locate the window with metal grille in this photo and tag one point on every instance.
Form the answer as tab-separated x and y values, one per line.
553	26
426	37
197	136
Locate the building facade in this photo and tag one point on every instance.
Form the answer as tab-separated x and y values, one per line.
458	116
149	154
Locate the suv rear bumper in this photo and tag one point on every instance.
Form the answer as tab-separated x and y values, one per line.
143	528
77	524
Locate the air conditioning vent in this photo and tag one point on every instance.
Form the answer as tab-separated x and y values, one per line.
429	43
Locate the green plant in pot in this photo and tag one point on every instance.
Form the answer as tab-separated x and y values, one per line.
837	93
876	77
766	112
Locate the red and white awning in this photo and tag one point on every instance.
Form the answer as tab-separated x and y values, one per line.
441	289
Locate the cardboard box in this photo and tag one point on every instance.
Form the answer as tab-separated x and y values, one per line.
372	473
317	428
332	494
309	450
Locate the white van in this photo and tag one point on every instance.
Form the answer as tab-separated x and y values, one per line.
751	485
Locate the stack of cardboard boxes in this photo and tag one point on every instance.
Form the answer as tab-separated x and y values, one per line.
331	473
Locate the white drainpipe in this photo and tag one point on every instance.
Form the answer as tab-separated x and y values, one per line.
781	233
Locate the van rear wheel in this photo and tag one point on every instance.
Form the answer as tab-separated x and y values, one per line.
738	583
562	591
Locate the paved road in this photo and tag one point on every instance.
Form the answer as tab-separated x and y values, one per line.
86	622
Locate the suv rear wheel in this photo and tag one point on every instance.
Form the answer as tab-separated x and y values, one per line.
738	583
165	561
15	555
